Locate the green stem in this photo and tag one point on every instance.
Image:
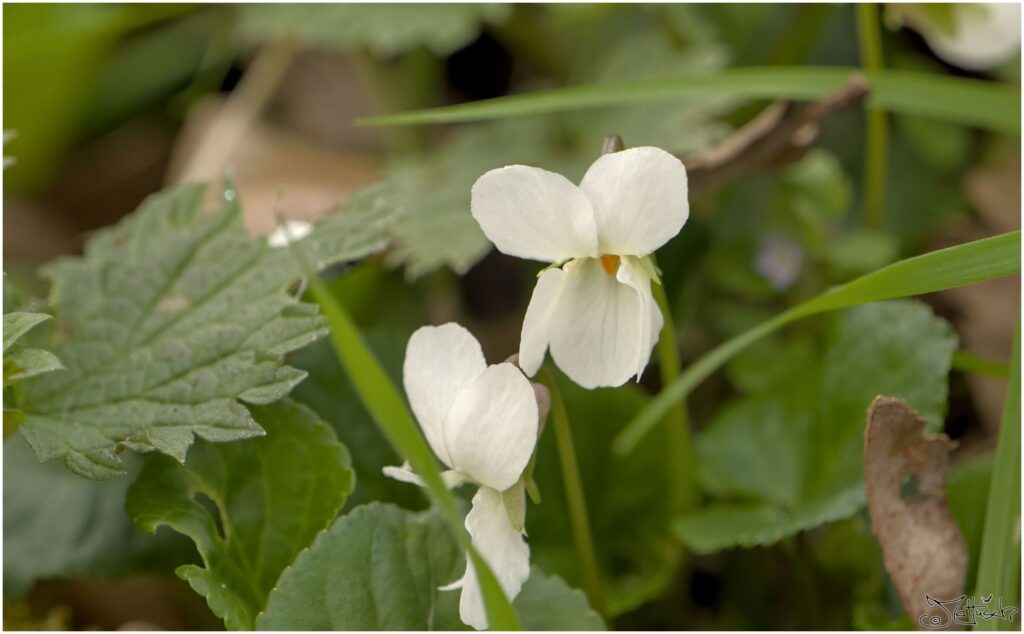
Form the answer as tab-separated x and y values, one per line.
973	364
876	152
999	560
683	493
578	518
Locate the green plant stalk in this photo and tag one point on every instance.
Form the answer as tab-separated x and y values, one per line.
388	409
970	363
683	495
578	518
999	561
960	265
876	153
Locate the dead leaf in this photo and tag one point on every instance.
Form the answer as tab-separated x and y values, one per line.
905	473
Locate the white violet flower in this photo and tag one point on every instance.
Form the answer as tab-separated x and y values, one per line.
482	423
973	36
594	306
291	231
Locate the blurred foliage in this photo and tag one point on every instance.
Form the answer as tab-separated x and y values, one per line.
779	438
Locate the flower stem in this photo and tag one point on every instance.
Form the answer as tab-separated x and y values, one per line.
578	520
876	151
683	492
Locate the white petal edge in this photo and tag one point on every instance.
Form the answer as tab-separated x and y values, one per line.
501	546
290	231
595	332
404	473
440	361
491	429
632	274
639	198
535	214
533	342
987	35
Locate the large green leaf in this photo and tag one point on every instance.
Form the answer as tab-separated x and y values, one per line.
384	29
790	458
960	265
380	567
966	101
170	318
270	497
57	524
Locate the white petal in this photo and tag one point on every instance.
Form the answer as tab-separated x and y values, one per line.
290	231
501	546
986	35
632	273
535	214
596	331
440	361
533	342
491	429
639	199
404	473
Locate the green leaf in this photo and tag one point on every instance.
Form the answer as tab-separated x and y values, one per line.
960	265
999	562
57	525
385	30
794	452
17	324
22	364
965	101
966	494
170	318
388	409
270	497
380	567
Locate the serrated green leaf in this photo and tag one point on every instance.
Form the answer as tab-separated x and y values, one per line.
57	524
170	318
17	324
380	567
383	29
271	496
794	452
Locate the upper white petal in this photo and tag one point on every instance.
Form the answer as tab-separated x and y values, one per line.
501	546
986	35
632	274
440	362
535	214
595	334
290	231
491	429
639	199
533	342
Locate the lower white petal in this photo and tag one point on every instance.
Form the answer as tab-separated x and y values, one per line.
632	273
501	546
595	332
537	324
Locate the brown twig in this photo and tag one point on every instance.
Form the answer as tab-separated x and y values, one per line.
780	134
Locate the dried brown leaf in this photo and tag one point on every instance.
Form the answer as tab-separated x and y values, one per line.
905	473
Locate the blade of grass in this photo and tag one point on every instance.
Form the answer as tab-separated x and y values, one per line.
960	265
973	364
971	102
387	407
999	561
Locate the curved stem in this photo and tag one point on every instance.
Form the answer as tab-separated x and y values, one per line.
577	503
876	152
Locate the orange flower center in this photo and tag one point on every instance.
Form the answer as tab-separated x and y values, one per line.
610	263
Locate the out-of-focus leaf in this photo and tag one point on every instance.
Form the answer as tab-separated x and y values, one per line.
271	496
384	29
965	101
57	524
860	251
17	324
625	500
924	552
966	493
792	453
380	568
170	318
963	264
22	364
